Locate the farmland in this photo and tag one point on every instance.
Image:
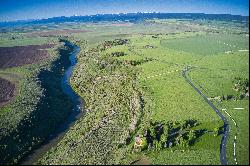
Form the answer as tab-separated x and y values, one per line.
55	33
21	55
130	76
7	91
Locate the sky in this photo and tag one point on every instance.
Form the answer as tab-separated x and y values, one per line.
11	10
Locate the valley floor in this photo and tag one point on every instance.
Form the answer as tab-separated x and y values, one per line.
138	107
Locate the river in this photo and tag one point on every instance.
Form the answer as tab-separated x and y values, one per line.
76	113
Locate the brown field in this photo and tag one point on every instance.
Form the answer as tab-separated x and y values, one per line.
51	33
22	55
7	90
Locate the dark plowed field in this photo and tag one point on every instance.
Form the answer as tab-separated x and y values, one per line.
22	55
6	91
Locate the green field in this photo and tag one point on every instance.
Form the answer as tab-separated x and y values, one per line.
158	61
130	77
5	42
210	44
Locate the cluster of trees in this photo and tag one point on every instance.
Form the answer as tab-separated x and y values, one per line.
117	54
227	97
167	135
241	85
109	44
137	62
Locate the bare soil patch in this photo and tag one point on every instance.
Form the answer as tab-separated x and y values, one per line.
22	55
7	90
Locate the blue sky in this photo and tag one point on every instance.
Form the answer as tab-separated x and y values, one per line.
35	9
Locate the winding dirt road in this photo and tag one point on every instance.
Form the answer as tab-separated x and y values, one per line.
223	144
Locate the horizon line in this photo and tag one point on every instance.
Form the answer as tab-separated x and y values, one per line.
76	15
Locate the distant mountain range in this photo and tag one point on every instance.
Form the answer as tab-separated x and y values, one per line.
129	17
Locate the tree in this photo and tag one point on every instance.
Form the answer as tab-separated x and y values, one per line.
191	135
183	142
157	145
163	140
216	131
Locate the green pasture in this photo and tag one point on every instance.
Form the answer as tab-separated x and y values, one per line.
23	41
173	99
210	44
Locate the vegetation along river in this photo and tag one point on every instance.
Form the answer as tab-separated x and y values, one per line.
75	114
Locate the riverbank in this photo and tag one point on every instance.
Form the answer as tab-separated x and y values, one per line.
53	108
75	114
113	105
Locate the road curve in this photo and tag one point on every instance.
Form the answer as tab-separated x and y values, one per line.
223	144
